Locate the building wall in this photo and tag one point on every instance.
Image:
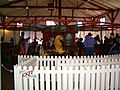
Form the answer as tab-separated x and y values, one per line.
8	34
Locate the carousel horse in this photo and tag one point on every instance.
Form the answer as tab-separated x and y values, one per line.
59	44
42	52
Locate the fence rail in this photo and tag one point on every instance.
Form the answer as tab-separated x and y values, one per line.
67	78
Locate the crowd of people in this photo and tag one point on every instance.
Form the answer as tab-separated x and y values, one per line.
85	46
96	46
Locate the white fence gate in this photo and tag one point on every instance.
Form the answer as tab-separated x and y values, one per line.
67	78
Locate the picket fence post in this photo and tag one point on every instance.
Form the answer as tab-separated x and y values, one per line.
70	77
82	74
59	77
36	78
30	79
103	78
93	79
42	79
47	79
17	78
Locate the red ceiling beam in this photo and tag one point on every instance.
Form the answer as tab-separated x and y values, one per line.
48	16
98	9
60	20
103	28
88	24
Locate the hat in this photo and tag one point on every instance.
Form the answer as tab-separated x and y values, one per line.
89	34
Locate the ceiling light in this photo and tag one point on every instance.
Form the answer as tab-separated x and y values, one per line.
27	8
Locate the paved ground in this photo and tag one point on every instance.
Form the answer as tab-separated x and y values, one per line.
7	79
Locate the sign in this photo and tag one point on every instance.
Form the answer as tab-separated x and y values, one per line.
27	74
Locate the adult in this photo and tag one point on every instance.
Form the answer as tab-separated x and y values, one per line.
117	37
114	45
12	40
89	43
105	48
97	39
80	46
2	39
22	44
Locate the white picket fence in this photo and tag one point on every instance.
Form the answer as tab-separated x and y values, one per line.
68	61
67	78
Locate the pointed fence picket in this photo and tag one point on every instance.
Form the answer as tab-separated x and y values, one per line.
67	78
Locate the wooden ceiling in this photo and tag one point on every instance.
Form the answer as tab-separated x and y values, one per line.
16	10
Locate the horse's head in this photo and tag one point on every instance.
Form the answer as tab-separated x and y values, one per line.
59	37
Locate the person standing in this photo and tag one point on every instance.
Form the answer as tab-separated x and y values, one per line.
2	39
105	48
89	44
117	37
80	46
115	46
22	42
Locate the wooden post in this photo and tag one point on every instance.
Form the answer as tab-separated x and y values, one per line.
112	21
112	18
59	13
